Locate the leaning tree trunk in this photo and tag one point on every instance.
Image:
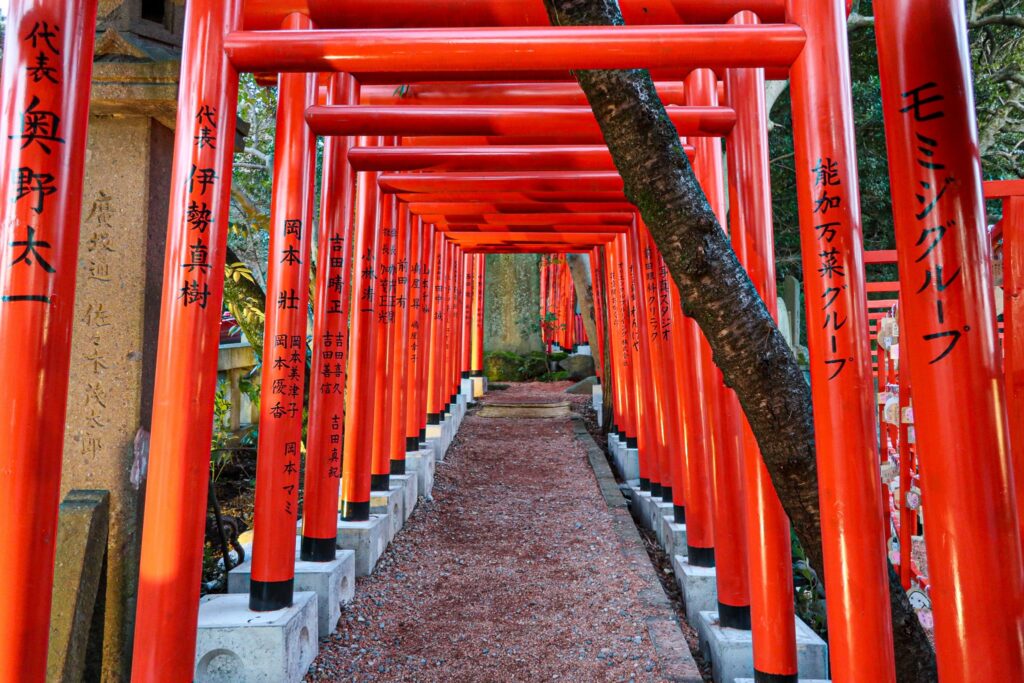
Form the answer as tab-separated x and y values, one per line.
585	298
716	292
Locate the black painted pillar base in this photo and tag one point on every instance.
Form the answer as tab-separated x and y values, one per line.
318	549
269	596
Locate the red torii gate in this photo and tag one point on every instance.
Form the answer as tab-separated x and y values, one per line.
978	633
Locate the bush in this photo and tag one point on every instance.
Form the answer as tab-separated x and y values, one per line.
504	366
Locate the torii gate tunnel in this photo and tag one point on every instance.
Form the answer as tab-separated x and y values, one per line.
491	148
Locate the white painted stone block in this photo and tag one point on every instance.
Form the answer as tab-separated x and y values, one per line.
673	535
698	586
392	504
631	464
236	644
731	650
367	539
658	510
422	461
331	581
410	489
638	505
479	386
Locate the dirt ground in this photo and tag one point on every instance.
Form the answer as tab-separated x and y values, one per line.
511	573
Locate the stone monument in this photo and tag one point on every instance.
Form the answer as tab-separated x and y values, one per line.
512	303
117	302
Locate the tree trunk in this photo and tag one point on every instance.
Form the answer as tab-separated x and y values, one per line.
585	297
716	291
247	302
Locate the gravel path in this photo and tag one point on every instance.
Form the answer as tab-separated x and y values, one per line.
511	573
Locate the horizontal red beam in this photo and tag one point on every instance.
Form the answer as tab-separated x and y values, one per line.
567	228
880	256
561	123
564	218
882	287
530	249
998	189
543	181
484	50
426	205
587	138
882	303
268	14
486	158
533	237
532	94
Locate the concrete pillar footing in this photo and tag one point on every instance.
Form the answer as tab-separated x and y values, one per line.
391	504
698	586
234	643
368	539
673	535
631	464
658	509
410	489
731	651
333	582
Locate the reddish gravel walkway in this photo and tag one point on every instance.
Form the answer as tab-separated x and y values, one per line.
512	573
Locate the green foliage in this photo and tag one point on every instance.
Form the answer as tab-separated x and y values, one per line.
998	64
504	366
221	455
809	598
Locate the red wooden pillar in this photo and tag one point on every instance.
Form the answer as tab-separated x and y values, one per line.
469	267
673	489
1013	338
44	116
435	407
651	348
480	292
597	279
414	411
283	377
457	326
722	412
630	387
646	399
385	248
617	338
426	333
330	342
401	381
358	453
186	368
950	336
860	646
769	558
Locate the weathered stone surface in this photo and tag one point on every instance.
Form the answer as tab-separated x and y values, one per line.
584	386
113	351
236	644
578	367
117	299
512	303
525	410
81	544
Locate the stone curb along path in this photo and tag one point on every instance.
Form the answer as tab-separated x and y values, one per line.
677	663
